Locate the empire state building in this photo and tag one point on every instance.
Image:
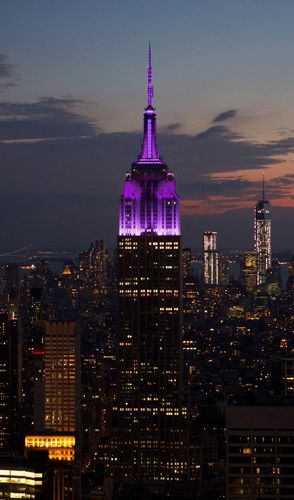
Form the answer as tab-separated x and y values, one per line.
148	435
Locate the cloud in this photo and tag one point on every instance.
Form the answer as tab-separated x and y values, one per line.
8	77
225	115
47	118
6	69
286	180
219	149
205	187
212	132
172	127
60	171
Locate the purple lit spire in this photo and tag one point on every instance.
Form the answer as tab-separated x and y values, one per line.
149	202
150	86
149	151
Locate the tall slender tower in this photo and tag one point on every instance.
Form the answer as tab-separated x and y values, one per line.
211	271
262	236
10	436
149	417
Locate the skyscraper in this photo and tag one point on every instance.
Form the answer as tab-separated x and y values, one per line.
187	263
211	272
148	433
262	237
248	270
9	383
60	435
260	448
61	376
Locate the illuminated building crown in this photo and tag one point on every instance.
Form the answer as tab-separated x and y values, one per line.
149	202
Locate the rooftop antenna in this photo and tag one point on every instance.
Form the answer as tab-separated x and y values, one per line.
263	198
150	86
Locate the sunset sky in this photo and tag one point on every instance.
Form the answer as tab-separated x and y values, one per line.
72	96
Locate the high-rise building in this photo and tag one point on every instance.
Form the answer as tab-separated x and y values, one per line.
59	401
9	383
12	283
61	376
94	266
224	270
282	375
260	451
274	278
248	270
187	263
20	479
262	237
211	271
290	279
149	430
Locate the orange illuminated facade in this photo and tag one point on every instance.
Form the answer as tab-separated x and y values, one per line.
59	447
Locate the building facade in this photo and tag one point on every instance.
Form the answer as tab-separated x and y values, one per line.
260	452
149	435
61	376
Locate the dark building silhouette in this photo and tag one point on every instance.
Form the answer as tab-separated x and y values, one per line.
10	439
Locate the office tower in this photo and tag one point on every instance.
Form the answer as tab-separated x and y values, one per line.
274	278
94	266
187	263
248	270
60	436
290	279
224	270
61	376
282	375
148	434
20	479
10	439
211	272
260	452
262	237
11	283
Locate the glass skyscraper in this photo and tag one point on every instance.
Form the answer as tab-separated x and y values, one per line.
262	237
210	268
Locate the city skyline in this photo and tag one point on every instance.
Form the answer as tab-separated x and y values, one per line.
66	121
146	274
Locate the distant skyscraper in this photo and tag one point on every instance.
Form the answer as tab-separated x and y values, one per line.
248	270
187	263
274	278
94	266
262	237
9	383
224	270
211	271
149	436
